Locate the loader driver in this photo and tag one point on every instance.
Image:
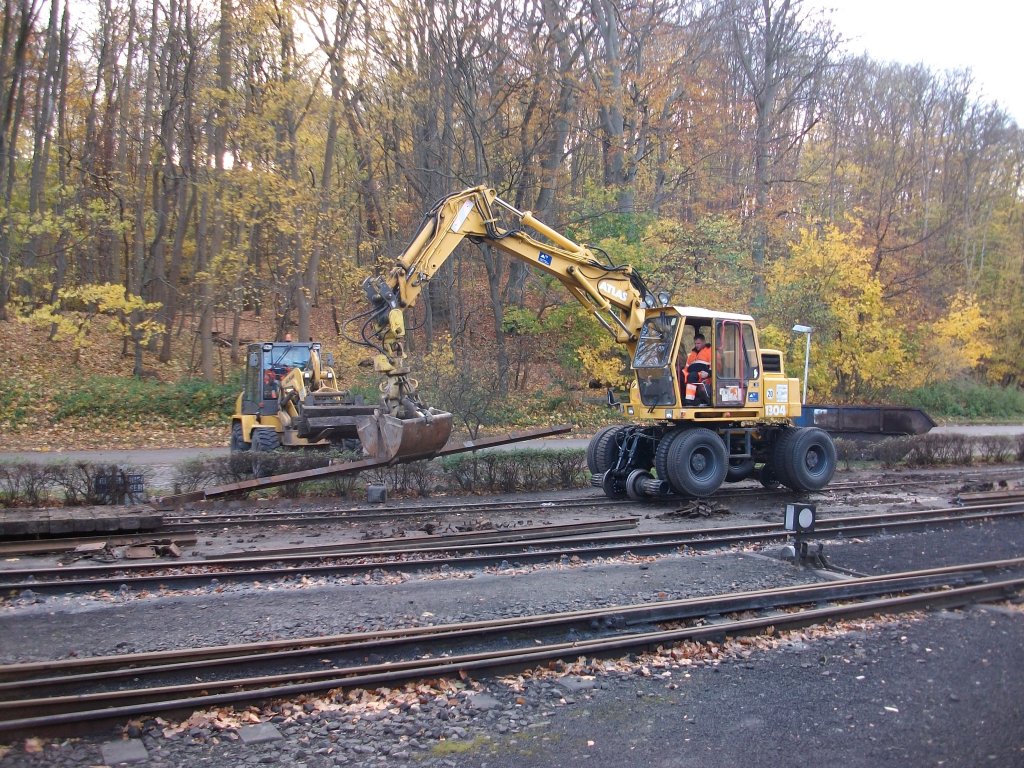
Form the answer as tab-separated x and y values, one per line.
698	373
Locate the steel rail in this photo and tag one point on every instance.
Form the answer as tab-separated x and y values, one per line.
381	512
365	675
430	545
432	557
64	671
631	615
378	512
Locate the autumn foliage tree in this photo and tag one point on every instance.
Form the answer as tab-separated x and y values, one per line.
256	158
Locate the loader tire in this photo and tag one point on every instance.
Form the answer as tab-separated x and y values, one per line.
603	449
810	459
697	462
238	443
265	440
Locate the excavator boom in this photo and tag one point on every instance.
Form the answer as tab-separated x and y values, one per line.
404	428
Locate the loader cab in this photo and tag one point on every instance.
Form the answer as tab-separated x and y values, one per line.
266	364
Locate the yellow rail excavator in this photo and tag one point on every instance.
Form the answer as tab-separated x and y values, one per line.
685	437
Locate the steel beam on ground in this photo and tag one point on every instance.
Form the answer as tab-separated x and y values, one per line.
170	502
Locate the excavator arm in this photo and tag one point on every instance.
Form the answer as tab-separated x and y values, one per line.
615	295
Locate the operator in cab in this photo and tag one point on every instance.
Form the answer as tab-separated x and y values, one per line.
698	373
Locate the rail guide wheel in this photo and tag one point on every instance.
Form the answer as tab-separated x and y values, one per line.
613	485
634	484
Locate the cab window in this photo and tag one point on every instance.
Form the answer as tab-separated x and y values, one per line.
654	348
730	351
750	352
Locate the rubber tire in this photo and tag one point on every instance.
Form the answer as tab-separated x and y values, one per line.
661	454
697	462
739	469
810	459
780	457
264	439
766	476
603	450
238	445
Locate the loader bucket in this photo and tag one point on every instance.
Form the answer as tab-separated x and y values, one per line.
393	439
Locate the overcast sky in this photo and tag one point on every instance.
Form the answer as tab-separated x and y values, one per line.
986	36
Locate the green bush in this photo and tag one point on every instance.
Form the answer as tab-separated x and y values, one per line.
965	399
24	483
507	471
934	450
15	401
135	400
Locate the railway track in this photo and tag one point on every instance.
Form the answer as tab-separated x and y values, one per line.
218	519
406	556
59	693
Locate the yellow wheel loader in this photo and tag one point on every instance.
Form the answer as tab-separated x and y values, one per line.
291	399
686	435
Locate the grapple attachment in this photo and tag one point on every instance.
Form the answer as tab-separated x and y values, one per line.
395	439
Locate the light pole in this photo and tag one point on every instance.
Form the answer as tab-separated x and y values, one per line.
805	329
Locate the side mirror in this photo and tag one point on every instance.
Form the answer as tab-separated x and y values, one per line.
612	402
329	359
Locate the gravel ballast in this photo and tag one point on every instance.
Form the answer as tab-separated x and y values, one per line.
940	688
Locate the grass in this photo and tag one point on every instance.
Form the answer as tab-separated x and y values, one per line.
189	402
459	746
965	400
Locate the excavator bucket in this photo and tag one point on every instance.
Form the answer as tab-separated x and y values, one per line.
393	439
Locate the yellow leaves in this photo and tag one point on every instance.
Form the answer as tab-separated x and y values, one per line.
956	343
828	282
601	363
602	368
73	313
105	298
440	360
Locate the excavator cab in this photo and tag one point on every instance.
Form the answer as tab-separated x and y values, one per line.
654	356
736	362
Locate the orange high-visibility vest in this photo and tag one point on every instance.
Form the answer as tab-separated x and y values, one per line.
702	359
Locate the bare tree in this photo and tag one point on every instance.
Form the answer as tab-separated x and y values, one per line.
782	51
